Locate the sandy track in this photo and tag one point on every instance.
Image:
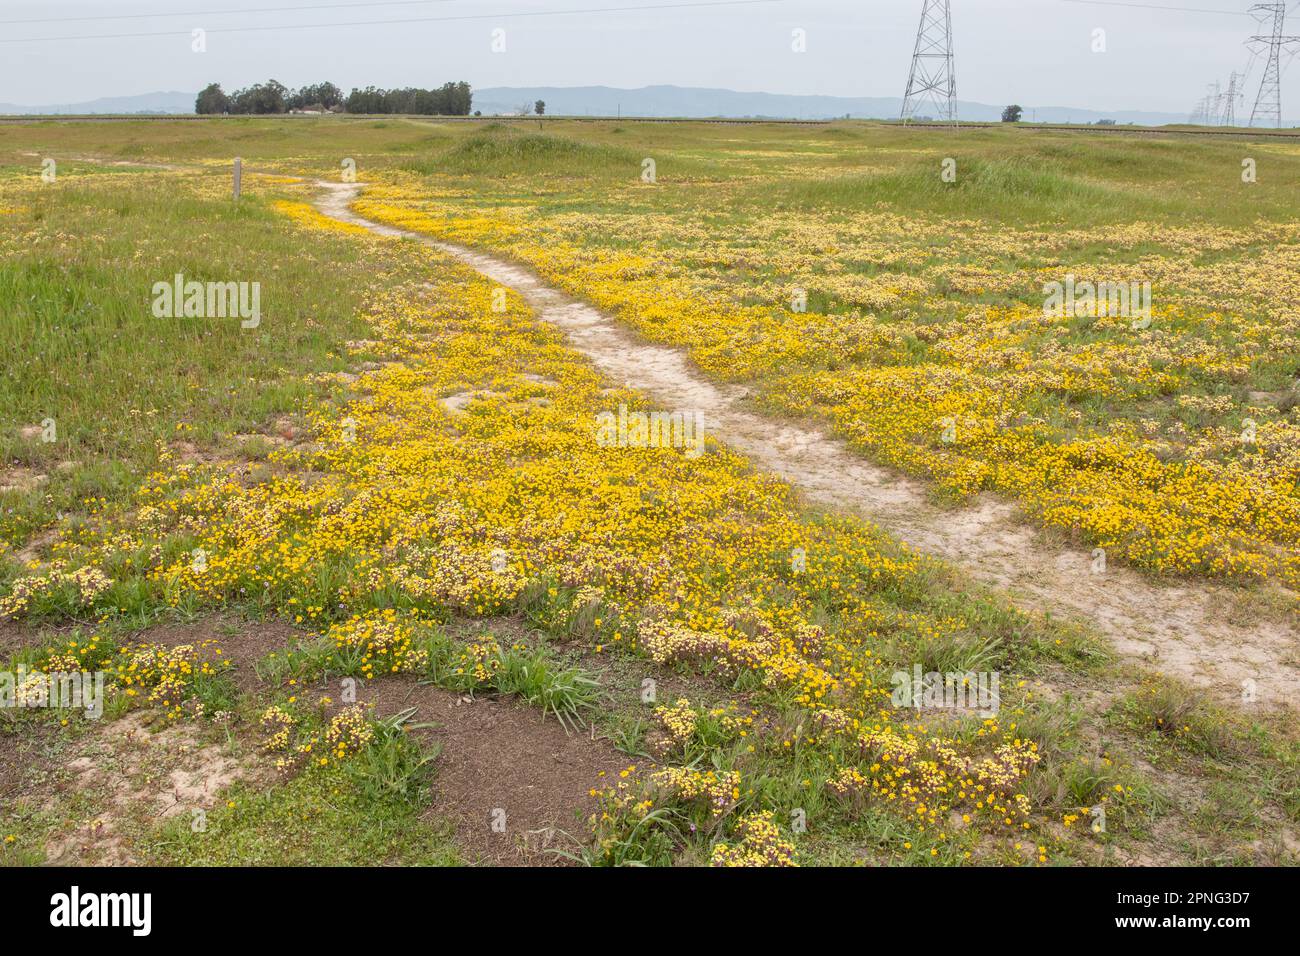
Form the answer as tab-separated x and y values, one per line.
1208	634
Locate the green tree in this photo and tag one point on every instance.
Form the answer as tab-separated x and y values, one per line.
450	99
1012	114
539	107
321	95
212	99
260	98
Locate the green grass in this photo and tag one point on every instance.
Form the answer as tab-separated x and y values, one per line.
568	694
497	150
532	673
80	347
1013	190
316	819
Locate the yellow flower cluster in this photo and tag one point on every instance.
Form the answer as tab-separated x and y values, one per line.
678	719
347	734
145	674
278	724
760	843
931	776
85	584
306	215
719	791
1070	415
167	674
381	641
480	660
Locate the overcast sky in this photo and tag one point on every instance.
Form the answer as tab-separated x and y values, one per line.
1028	51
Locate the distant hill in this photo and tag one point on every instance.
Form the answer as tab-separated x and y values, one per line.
171	102
696	102
656	101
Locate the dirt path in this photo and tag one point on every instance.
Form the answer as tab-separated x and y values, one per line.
1212	635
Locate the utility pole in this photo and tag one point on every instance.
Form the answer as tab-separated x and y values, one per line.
932	78
1268	102
1228	115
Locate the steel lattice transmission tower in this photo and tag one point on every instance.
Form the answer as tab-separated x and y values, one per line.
1228	115
932	79
1268	104
1201	115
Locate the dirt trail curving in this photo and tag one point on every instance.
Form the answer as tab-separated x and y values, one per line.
1213	635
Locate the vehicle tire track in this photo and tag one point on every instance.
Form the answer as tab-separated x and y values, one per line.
1214	635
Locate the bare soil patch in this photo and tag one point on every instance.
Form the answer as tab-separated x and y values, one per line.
502	763
19	478
137	774
15	635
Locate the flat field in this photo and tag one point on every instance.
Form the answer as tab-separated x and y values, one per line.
370	580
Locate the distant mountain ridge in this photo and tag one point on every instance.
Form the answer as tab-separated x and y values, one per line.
155	103
659	101
696	102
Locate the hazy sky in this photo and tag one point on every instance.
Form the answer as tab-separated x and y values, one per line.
1028	51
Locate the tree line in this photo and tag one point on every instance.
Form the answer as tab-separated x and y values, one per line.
450	99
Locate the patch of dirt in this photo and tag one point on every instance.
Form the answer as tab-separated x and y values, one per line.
457	403
138	774
31	551
243	438
1202	632
15	635
191	454
501	763
380	366
282	432
18	478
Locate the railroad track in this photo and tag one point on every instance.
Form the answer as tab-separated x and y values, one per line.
1131	130
708	121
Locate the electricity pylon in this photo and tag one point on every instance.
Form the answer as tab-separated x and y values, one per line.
932	78
1228	115
1201	115
1268	103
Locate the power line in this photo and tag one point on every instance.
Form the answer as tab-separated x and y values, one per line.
1154	6
366	23
222	13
